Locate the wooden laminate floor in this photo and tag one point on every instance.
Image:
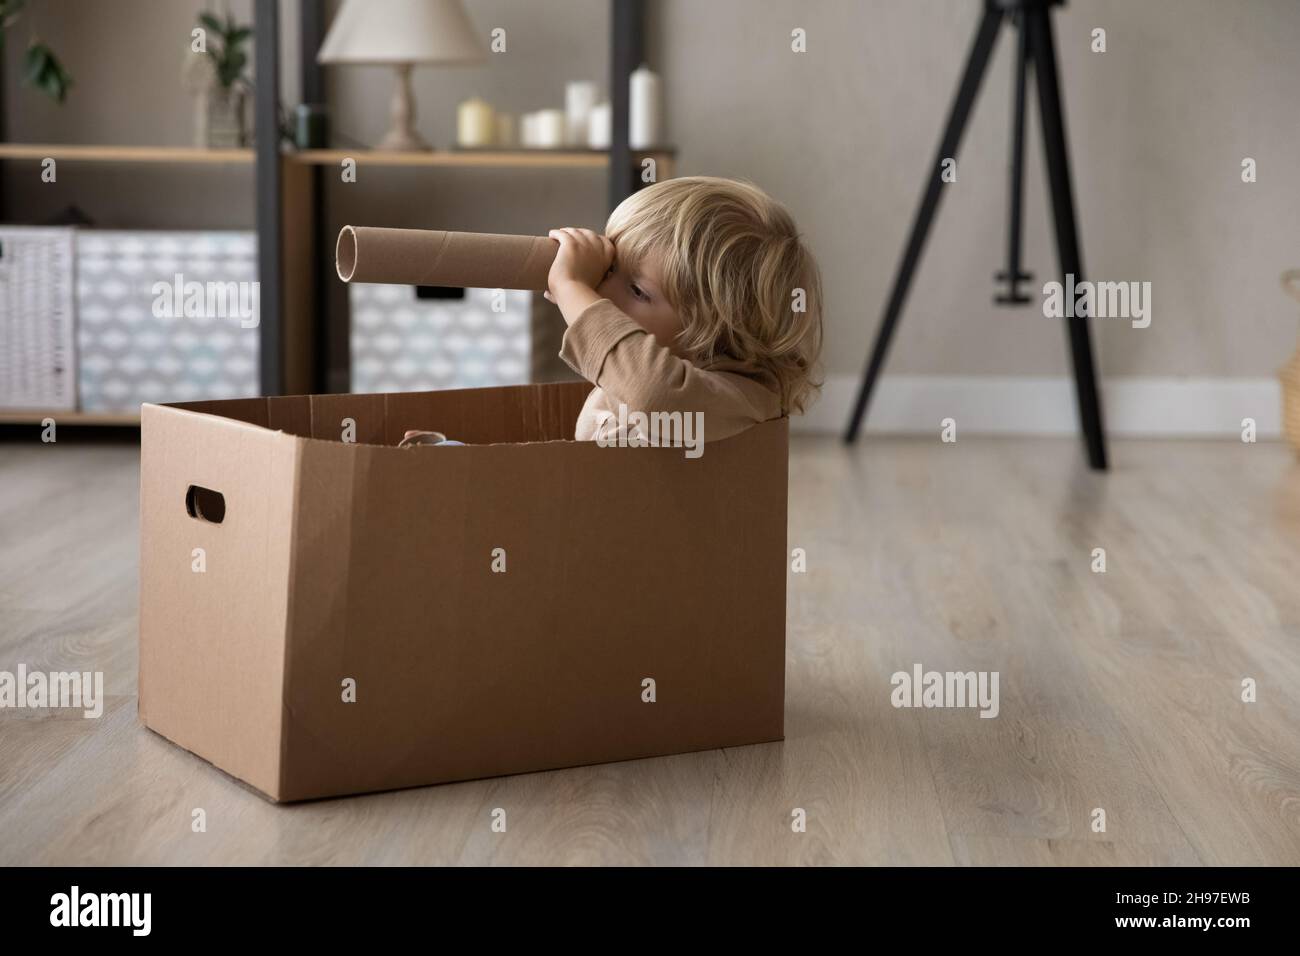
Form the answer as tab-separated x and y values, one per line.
1119	691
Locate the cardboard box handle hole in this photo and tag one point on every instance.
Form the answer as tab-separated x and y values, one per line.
205	504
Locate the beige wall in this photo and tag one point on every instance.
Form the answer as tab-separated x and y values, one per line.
1158	127
843	134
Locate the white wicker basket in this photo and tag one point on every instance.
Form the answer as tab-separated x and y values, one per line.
38	360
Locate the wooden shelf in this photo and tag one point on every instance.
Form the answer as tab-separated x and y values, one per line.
126	154
510	158
36	416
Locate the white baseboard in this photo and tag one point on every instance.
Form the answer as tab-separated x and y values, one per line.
992	405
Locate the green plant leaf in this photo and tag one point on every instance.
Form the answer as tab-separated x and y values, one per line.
35	62
58	84
44	71
210	22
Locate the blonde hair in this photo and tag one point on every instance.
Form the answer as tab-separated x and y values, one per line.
732	265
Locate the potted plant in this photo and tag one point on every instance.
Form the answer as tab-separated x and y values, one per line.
227	94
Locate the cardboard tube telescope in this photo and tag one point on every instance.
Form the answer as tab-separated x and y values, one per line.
471	260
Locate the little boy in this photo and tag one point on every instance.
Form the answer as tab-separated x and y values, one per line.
699	298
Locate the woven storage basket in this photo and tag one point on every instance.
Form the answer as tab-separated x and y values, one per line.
38	330
1290	374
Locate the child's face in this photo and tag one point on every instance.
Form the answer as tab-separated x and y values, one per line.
640	295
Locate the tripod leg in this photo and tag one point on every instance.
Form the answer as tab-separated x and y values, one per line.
1013	275
961	107
1043	54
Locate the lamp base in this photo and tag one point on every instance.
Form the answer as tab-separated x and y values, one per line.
400	140
401	135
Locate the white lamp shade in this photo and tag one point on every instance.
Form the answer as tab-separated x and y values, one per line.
401	31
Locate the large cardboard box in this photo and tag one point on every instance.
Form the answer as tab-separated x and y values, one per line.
337	562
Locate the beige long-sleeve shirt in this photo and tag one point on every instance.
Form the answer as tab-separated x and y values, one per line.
628	366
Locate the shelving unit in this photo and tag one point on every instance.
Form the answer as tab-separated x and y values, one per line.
626	52
287	333
293	256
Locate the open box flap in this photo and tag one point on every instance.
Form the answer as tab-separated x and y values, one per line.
513	414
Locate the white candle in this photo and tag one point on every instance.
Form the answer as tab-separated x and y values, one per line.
550	128
644	109
579	98
475	123
599	127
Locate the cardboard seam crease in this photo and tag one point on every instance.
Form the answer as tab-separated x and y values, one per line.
286	712
359	475
296	726
437	255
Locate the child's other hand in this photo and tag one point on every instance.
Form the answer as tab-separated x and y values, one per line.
583	260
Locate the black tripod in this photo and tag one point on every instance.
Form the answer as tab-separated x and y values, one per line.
1036	46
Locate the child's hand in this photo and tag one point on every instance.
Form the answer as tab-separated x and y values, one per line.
583	260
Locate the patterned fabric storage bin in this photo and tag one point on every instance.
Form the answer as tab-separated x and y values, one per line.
166	317
404	344
37	318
